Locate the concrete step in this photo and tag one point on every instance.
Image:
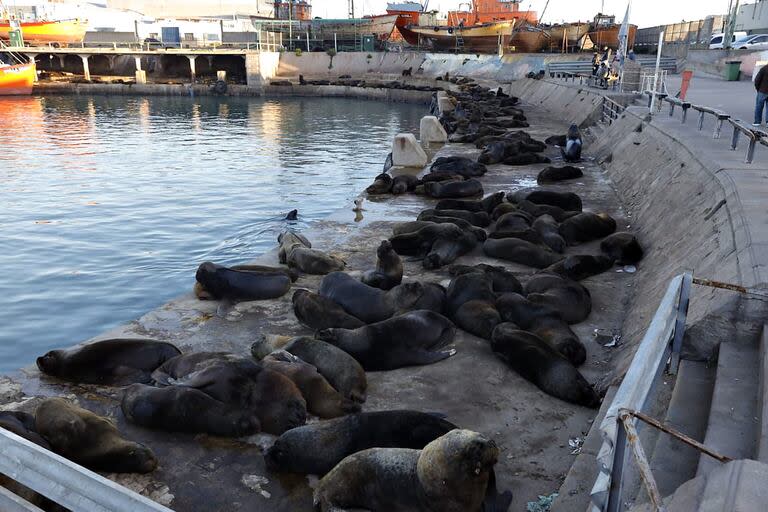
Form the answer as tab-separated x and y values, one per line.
733	424
762	442
674	462
574	493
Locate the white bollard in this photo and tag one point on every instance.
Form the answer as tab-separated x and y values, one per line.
430	130
406	151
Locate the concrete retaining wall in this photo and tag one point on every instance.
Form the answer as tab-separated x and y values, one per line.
713	61
260	67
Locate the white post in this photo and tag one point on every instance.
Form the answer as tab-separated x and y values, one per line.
335	47
308	42
656	75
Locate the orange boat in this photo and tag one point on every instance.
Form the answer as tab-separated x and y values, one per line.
604	32
17	79
491	11
60	32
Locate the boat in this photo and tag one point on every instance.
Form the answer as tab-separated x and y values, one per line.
489	11
408	13
17	79
604	31
382	25
528	38
485	37
60	32
567	36
379	26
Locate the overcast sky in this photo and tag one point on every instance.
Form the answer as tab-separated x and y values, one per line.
645	13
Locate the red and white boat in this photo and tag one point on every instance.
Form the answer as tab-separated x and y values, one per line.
17	79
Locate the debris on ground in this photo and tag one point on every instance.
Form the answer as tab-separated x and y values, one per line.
607	338
254	483
576	443
543	505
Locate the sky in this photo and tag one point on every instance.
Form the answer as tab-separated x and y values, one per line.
645	13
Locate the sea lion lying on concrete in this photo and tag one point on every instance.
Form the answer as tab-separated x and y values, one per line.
450	474
114	362
504	208
203	294
544	322
479	219
322	399
569	298
23	425
296	251
415	225
470	304
502	280
516	224
567	201
581	266
554	174
549	229
459	164
404	183
382	184
439	244
622	247
410	339
185	409
90	440
556	140
587	226
449	189
526	159
341	370
542	365
520	251
236	285
537	210
487	204
318	312
239	382
389	269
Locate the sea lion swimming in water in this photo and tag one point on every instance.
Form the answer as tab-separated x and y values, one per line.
224	283
114	362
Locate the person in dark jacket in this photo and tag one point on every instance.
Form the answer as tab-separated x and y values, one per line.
761	85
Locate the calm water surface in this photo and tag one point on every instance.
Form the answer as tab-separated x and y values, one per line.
108	204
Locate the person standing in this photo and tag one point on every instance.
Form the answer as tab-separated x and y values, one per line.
761	86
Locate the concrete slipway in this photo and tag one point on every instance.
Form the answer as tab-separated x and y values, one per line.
648	181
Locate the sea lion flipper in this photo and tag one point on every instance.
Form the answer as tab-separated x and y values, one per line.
495	501
225	306
424	357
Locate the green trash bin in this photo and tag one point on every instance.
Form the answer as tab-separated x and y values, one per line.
732	70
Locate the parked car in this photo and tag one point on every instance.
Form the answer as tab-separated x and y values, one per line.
753	42
716	42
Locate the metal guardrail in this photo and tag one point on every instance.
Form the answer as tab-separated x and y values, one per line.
610	110
62	481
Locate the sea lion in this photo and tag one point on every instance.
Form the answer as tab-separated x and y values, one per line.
542	365
203	294
470	304
417	295
549	230
520	251
503	208
23	425
318	312
502	280
556	140
486	204
587	226
440	244
235	285
567	201
526	159
239	382
382	184
322	399
572	150
413	226
364	302
537	210
296	251
450	474
114	362
544	322
569	298
292	215
553	174
185	409
90	440
410	339
341	370
493	153
581	266
479	219
442	190
389	269
622	247
404	183
459	164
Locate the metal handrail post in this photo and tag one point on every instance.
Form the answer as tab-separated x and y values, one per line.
682	313
617	469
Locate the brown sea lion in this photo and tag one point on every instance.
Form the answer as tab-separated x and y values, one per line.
581	266
587	226
622	247
318	312
566	296
203	294
223	283
389	268
520	251
296	251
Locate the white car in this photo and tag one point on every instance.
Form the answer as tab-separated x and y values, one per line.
716	42
753	42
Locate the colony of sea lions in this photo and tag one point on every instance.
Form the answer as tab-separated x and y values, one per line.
379	319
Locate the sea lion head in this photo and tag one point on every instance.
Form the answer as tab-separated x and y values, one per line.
266	344
138	458
327	335
50	362
385	249
289	453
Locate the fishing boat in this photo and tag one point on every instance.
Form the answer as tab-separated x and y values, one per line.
408	13
484	37
529	38
380	26
604	31
17	79
567	36
489	11
62	32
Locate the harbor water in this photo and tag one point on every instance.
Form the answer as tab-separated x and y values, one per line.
108	204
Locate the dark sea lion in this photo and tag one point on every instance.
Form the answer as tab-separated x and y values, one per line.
115	362
515	220
318	312
470	304
556	140
581	266
185	409
382	184
553	174
90	440
622	247
526	159
364	302
413	226
544	322
322	399
487	204
23	425
404	183
440	244
453	189
416	295
537	210
549	230
411	339
389	269
296	251
567	201
503	208
340	369
569	298
502	280
493	153
236	285
542	365
459	164
587	226
451	474
446	249
479	219
439	176
292	215
520	251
